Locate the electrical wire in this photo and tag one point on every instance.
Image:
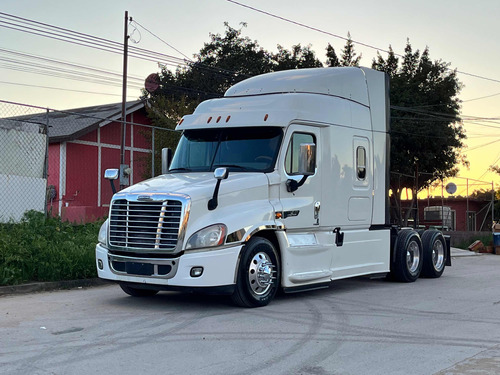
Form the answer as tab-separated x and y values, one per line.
483	145
343	38
160	39
61	89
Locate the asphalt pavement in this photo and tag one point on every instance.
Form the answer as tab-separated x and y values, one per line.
440	326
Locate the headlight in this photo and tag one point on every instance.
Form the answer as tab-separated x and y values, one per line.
103	233
213	235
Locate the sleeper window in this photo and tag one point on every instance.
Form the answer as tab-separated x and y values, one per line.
361	163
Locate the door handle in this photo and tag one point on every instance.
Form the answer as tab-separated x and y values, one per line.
317	207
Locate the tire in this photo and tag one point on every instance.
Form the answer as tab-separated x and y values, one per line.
408	257
434	254
258	275
136	292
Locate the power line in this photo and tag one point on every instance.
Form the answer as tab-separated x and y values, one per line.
482	97
87	40
343	38
61	89
483	145
160	39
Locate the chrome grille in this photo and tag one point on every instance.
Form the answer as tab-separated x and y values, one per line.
145	225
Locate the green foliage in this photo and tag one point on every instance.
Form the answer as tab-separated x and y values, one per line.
332	59
39	249
298	58
349	57
222	62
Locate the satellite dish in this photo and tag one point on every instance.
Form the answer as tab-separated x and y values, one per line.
152	83
451	188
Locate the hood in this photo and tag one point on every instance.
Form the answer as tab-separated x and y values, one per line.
199	185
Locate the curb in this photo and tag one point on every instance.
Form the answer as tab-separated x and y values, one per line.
50	286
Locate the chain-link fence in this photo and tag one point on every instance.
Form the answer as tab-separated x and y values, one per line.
54	161
23	160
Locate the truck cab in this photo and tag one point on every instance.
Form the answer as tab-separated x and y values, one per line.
282	183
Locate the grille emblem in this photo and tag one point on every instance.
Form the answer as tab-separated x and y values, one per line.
144	198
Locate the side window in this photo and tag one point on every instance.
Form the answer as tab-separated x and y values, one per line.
293	151
361	163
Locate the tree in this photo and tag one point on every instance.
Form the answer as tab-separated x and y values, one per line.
348	57
298	58
331	57
426	133
222	62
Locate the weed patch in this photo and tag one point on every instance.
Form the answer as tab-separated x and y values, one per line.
40	249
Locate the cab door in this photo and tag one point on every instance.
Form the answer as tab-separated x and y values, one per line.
305	259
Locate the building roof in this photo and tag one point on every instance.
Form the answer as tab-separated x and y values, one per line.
72	123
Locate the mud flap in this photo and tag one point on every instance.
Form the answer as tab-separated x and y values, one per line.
448	250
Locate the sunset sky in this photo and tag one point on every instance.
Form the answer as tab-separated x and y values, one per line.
462	33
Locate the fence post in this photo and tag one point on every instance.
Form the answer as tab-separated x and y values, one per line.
153	153
467	209
492	204
442	204
46	163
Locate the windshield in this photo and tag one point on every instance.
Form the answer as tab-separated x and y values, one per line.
239	149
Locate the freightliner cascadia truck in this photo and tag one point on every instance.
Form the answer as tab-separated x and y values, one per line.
283	183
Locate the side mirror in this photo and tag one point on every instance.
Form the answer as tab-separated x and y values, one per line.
307	166
307	159
166	159
220	174
111	175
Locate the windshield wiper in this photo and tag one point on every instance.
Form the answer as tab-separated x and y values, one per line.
244	169
179	169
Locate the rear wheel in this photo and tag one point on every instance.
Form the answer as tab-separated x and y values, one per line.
434	254
407	263
136	292
258	274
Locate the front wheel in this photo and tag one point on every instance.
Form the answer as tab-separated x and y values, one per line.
258	274
136	292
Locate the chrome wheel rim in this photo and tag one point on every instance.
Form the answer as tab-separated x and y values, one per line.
438	255
261	273
413	257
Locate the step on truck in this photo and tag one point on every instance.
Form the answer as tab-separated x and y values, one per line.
283	183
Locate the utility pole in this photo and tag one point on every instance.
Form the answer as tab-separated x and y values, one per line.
124	176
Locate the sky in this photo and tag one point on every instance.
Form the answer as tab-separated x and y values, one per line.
461	33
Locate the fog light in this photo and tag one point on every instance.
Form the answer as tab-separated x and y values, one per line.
196	271
100	264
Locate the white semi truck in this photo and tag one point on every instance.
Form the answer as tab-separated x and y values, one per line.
282	183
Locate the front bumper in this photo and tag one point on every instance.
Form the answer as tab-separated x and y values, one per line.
219	269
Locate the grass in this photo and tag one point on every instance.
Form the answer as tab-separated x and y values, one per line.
40	249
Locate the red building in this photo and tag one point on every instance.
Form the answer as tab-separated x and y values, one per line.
83	143
457	214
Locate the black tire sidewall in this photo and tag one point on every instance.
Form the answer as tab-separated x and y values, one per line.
254	246
400	266
428	239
